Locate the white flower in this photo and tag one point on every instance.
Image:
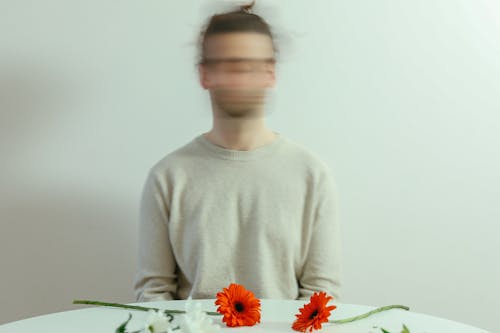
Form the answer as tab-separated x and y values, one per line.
196	321
157	322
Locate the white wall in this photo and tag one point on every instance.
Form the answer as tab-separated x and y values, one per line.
400	97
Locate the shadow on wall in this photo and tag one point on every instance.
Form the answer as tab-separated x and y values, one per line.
32	98
57	243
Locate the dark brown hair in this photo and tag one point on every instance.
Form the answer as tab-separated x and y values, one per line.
241	20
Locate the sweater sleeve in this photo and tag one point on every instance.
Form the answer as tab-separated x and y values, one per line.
322	267
155	276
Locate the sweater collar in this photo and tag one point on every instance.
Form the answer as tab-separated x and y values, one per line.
240	155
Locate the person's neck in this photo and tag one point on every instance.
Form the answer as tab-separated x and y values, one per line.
240	135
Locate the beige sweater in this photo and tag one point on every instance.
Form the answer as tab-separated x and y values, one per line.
263	218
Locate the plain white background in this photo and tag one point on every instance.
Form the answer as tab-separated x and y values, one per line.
399	97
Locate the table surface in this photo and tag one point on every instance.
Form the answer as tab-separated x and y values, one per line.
277	317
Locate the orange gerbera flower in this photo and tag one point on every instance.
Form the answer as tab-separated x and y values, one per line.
313	314
238	306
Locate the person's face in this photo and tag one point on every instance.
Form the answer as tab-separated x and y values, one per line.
237	69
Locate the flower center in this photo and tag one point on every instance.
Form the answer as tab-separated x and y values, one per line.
314	314
239	306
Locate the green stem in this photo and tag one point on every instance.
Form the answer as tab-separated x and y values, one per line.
384	308
135	307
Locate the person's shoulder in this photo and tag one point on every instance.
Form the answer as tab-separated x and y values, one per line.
310	158
176	159
312	165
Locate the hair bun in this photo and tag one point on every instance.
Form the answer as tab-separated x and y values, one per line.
248	8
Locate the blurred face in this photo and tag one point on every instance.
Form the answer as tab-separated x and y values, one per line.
237	69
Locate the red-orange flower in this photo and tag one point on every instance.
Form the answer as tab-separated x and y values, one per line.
238	306
313	314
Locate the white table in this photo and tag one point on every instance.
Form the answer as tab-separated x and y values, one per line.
277	316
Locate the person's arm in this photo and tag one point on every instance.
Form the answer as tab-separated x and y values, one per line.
322	270
155	277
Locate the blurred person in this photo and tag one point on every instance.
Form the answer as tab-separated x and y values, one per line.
240	203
